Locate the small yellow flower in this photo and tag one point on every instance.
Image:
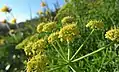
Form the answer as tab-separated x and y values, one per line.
40	12
49	27
69	32
53	37
40	27
47	12
5	9
2	41
94	24
67	20
43	4
113	35
13	21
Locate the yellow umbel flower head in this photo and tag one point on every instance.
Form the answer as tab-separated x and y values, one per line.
53	37
37	63
49	27
40	12
69	32
4	21
94	24
113	35
13	21
39	46
47	12
67	20
5	9
43	4
40	27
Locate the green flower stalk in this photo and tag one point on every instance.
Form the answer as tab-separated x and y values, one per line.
67	20
53	37
94	24
49	27
113	35
40	27
68	32
37	63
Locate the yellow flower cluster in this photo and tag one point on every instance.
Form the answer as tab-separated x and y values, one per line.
40	12
28	49
69	32
5	9
37	63
53	37
47	12
26	41
113	35
34	48
13	21
38	47
67	20
94	24
43	4
49	27
40	27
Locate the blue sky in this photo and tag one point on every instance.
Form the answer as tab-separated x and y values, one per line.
20	8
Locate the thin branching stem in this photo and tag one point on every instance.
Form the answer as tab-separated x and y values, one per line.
56	68
82	44
62	51
59	52
72	68
100	49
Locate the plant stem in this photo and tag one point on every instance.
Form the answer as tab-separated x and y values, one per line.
91	53
68	50
59	52
72	68
60	66
82	44
61	49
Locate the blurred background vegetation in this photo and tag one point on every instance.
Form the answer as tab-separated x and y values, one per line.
13	60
